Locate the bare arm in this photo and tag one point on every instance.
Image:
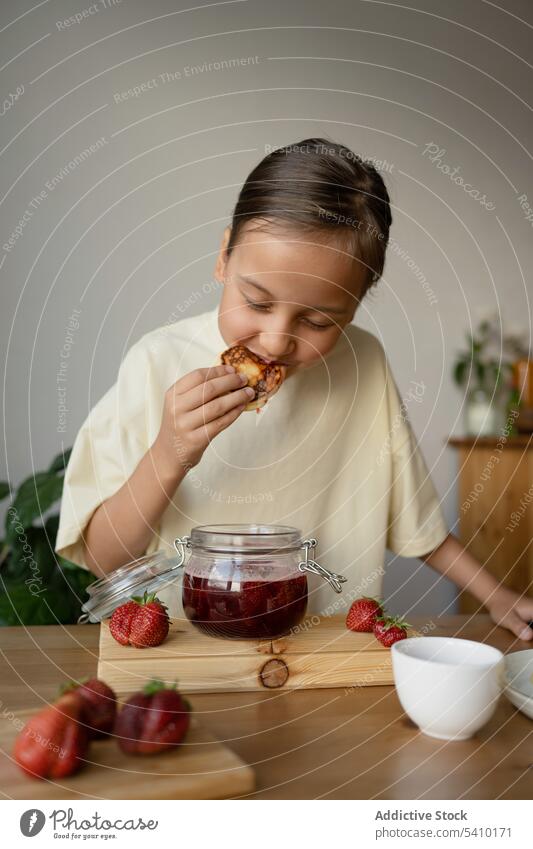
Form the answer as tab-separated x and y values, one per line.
196	409
121	528
506	607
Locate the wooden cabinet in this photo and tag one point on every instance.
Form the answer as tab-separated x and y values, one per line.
496	509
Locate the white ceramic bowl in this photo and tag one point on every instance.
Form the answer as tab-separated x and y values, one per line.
519	680
449	687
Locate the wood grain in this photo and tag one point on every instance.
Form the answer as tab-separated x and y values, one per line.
494	477
321	653
344	743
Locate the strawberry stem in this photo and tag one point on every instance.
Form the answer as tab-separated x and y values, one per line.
72	685
67	687
148	598
155	686
393	621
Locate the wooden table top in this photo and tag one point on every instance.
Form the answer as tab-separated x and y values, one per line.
333	743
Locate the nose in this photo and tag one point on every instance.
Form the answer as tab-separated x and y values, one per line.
278	345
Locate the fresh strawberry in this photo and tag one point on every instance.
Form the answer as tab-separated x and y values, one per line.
141	622
155	719
120	623
363	613
54	742
390	629
149	627
99	705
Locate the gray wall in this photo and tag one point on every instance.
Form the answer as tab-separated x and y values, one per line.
128	236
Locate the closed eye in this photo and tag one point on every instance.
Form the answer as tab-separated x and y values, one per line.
266	307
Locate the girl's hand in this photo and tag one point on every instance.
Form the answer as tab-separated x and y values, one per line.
198	407
512	611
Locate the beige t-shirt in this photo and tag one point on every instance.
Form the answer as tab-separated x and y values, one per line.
332	454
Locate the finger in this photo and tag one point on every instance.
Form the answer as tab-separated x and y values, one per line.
526	633
199	376
216	387
213	428
517	625
219	407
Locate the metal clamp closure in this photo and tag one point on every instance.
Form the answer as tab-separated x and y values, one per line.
180	544
310	565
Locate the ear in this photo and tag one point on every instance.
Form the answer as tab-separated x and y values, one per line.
222	258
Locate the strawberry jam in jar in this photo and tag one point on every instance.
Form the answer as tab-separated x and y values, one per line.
247	581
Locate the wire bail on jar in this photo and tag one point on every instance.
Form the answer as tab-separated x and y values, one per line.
180	544
310	565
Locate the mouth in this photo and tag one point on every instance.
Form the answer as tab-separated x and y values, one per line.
273	362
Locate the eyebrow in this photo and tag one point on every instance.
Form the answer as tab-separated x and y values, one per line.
335	310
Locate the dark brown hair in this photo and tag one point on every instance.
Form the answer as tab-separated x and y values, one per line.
319	187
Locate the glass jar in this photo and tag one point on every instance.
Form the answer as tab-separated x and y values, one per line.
248	581
240	581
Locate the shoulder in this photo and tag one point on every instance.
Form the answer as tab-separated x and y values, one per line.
177	342
362	349
363	339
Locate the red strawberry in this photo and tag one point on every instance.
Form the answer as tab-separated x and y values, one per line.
390	629
363	613
141	622
54	742
155	719
99	705
120	624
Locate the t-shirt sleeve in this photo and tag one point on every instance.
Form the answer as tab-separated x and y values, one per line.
108	447
416	525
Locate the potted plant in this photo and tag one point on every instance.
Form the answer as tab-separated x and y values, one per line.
37	586
484	371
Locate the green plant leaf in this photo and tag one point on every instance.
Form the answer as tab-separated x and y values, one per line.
51	527
34	497
68	592
69	566
17	604
5	489
37	586
460	371
497	375
59	463
31	557
78	579
56	602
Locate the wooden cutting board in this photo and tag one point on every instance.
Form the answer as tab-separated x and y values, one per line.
323	654
201	768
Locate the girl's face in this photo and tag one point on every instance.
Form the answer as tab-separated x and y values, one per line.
286	298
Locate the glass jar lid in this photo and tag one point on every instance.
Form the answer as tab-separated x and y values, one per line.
246	538
148	573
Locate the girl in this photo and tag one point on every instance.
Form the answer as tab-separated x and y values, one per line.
168	446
